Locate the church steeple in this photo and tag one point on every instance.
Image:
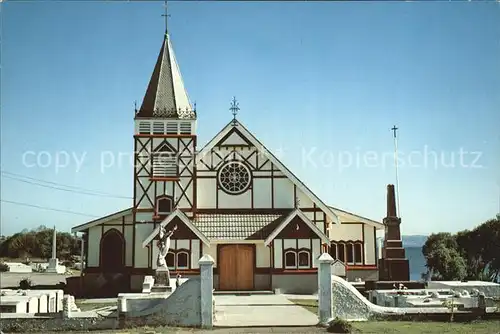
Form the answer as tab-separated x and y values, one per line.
166	96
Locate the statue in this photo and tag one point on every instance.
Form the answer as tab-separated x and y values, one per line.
163	247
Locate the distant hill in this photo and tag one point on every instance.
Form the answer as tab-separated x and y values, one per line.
414	240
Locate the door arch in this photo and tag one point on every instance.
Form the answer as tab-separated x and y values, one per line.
112	251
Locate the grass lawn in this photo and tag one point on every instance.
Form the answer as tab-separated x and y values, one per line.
409	327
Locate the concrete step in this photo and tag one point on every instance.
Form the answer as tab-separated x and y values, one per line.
161	288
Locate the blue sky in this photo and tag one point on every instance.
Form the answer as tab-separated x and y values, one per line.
318	80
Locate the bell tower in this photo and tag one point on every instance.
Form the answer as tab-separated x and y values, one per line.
164	144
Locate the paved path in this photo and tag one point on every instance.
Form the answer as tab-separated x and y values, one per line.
260	310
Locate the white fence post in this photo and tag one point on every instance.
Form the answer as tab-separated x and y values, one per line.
325	288
207	287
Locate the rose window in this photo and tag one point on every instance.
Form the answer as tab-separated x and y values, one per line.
234	177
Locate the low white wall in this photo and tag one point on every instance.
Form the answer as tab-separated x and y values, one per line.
181	308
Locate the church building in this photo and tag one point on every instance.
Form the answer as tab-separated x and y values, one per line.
231	198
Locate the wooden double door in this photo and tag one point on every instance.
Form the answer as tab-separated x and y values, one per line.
236	265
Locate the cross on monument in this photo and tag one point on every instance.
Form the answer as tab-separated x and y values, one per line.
394	129
166	15
234	109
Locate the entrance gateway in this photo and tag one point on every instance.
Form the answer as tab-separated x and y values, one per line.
236	267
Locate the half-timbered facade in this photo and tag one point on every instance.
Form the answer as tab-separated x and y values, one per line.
232	199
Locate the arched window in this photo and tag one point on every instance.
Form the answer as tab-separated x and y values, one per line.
290	259
358	253
170	260
341	252
333	251
112	251
350	253
182	260
163	205
304	259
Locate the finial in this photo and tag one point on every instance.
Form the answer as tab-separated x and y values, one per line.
394	129
297	202
135	106
234	110
166	15
194	105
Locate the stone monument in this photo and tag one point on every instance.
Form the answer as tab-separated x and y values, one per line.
162	274
53	266
393	266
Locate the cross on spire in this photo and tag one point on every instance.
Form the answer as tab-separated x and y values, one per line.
166	15
394	129
234	109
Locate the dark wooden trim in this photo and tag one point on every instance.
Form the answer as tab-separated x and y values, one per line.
261	271
376	245
115	225
243	211
195	171
314	215
294	195
294	271
271	265
124	242
360	267
363	243
272	186
163	179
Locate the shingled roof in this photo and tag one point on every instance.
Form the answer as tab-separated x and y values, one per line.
166	96
237	226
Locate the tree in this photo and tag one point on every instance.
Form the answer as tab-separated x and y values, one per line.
473	254
38	244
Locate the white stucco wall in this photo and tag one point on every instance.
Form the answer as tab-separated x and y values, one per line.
346	232
142	231
370	242
262	255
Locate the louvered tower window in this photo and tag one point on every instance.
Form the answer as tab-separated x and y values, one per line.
144	127
165	163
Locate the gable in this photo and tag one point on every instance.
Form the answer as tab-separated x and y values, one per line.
233	138
285	226
182	232
177	214
297	229
218	152
117	216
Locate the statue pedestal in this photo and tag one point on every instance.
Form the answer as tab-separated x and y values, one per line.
162	281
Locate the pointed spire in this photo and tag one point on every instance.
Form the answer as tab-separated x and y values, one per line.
166	96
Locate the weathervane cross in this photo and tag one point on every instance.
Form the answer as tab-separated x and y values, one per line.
234	109
394	129
166	15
